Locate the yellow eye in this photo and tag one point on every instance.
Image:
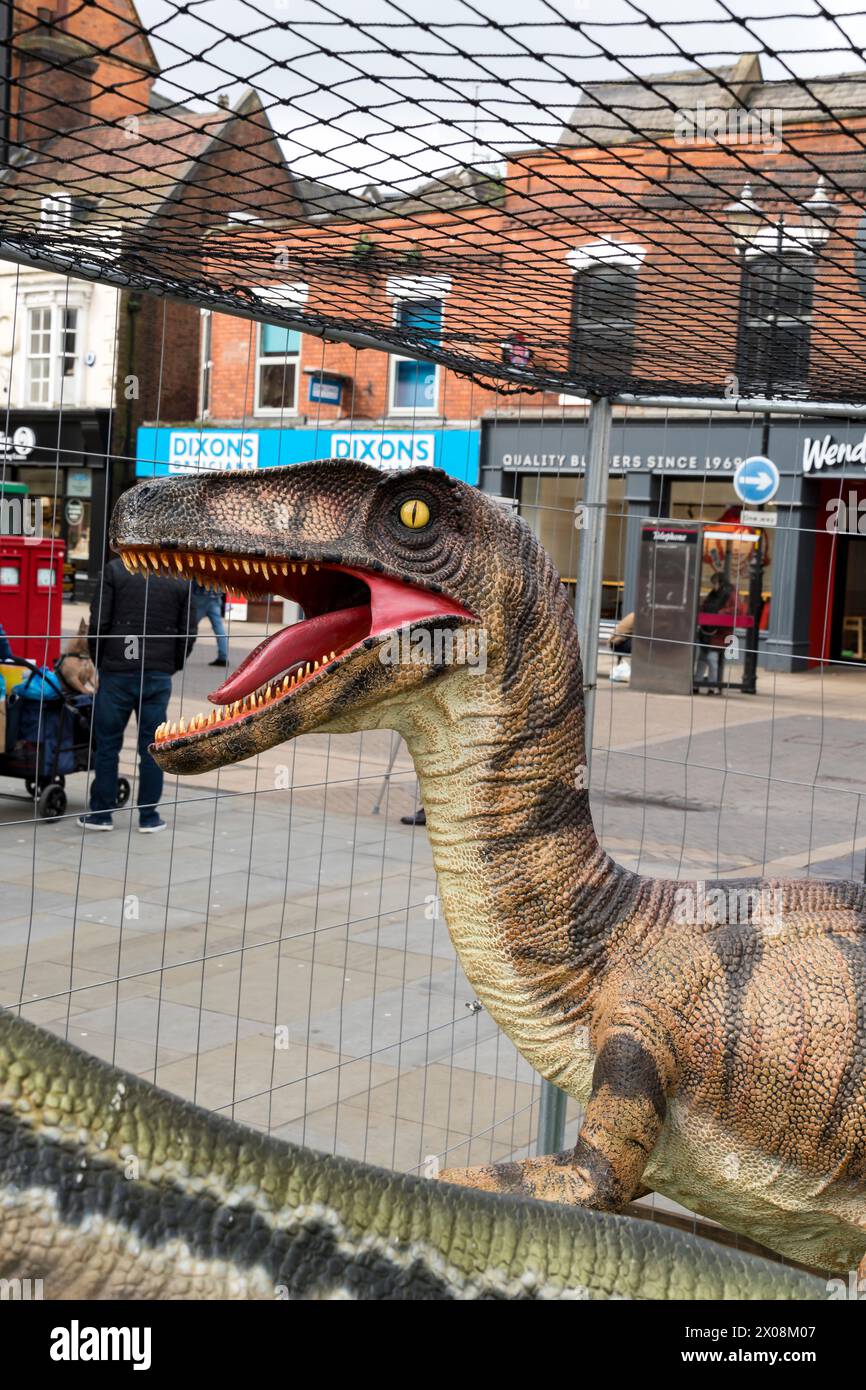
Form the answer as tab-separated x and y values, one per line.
415	514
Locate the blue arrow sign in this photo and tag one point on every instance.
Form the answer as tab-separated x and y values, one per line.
756	480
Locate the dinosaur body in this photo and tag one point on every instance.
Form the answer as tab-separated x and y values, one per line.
722	1062
110	1188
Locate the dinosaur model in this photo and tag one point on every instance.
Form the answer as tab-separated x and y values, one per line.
110	1188
722	1063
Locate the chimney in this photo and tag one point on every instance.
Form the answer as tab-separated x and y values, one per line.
52	75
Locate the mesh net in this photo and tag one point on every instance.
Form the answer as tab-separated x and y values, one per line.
652	201
545	201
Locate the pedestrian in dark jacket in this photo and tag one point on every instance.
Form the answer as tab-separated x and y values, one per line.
139	636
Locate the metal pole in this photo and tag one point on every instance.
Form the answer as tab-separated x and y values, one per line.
591	522
551	1119
591	566
741	405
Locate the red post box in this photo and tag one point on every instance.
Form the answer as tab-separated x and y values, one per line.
31	594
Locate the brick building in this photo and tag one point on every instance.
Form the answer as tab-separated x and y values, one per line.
82	360
692	236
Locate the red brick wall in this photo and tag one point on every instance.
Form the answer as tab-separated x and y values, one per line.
89	63
509	270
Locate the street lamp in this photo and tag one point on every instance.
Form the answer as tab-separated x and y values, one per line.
818	213
743	216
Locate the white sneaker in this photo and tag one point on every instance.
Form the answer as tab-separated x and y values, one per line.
621	672
89	823
152	827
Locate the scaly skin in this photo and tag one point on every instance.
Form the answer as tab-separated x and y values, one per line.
722	1063
110	1188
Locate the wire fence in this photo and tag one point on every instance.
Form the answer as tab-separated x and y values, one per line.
279	953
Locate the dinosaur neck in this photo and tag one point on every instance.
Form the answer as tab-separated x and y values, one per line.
534	906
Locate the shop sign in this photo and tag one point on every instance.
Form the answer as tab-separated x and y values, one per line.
19	444
79	482
74	511
623	463
385	450
162	449
326	389
190	451
827	453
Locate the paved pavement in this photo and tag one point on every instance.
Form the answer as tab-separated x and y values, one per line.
275	954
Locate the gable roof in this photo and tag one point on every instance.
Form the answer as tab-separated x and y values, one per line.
126	173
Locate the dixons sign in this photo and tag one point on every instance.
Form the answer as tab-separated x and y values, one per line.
165	449
189	450
826	453
385	450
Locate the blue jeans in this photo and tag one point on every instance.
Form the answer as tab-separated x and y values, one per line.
119	694
210	606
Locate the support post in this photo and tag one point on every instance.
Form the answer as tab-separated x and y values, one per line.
550	1135
591	566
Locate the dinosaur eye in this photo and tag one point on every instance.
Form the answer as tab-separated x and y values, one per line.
415	514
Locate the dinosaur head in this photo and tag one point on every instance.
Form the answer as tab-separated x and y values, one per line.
399	576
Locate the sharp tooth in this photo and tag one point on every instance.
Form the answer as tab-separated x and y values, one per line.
269	693
153	559
213	564
202	559
178	563
181	726
190	559
266	574
284	569
317	567
173	730
307	669
303	569
294	567
255	566
332	657
315	665
246	565
165	558
285	683
237	565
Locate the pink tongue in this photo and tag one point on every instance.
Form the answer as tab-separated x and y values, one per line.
306	641
393	605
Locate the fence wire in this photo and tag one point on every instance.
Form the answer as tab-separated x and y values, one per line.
626	204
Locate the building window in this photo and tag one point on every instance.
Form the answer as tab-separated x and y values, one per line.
602	324
277	369
53	354
206	363
414	384
775	324
60	211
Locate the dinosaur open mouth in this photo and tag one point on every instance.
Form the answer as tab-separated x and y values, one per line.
344	607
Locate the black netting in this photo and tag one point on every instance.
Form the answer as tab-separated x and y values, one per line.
661	199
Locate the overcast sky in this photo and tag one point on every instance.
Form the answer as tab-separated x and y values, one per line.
419	118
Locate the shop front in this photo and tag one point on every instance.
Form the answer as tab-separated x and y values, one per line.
684	469
167	449
61	459
831	459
